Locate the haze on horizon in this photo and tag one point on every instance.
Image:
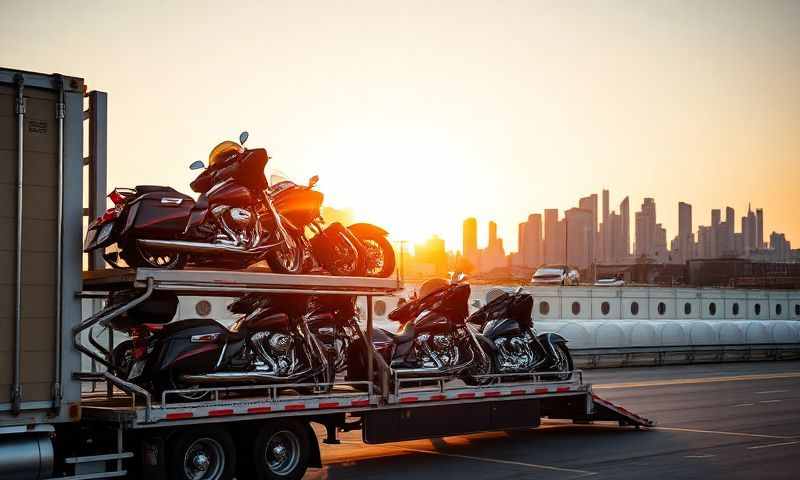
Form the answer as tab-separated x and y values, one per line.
417	115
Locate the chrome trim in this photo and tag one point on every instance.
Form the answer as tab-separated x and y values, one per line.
171	201
60	112
16	387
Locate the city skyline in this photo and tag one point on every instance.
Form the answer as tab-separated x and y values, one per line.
593	233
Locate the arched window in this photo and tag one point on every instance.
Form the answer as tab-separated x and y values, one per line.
662	308
605	307
687	308
736	309
778	309
634	308
544	308
712	308
757	309
576	308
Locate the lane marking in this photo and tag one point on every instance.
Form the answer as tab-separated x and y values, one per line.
744	405
769	401
735	434
707	455
692	381
579	473
766	392
782	444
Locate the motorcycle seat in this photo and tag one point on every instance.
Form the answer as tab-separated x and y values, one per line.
405	335
156	188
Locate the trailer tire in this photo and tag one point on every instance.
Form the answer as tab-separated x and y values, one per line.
202	454
282	451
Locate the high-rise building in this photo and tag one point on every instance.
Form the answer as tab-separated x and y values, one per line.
625	219
552	241
589	203
580	236
469	240
685	228
522	244
604	232
646	228
759	228
533	241
750	231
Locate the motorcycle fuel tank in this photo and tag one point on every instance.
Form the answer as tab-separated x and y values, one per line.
230	193
501	327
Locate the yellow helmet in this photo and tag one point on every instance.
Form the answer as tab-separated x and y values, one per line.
223	152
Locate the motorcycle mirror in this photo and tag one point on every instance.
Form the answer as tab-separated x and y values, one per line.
313	181
477	303
197	165
518	291
243	137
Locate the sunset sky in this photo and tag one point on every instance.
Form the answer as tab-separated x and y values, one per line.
419	114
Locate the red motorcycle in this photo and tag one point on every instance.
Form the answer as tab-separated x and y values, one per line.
232	224
360	249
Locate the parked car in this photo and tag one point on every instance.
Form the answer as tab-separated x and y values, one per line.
556	275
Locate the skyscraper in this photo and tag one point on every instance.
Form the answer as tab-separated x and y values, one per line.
580	236
625	219
759	228
646	228
590	204
685	229
469	240
605	232
533	241
522	244
551	236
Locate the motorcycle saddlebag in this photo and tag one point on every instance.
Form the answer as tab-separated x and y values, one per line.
161	213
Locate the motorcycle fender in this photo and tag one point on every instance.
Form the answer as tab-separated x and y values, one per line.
551	338
366	228
180	353
485	343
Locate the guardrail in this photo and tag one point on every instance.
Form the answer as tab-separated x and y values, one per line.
682	354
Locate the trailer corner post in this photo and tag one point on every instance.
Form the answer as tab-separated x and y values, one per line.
16	388
97	163
368	345
60	114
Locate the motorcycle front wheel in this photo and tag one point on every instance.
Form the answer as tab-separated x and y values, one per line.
563	363
481	366
288	256
380	255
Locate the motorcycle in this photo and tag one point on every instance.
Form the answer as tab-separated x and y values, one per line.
516	348
232	224
433	340
333	319
269	344
360	249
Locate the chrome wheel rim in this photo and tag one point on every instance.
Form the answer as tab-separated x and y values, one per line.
157	260
204	460
283	452
375	260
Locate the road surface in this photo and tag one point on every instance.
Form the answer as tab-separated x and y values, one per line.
714	421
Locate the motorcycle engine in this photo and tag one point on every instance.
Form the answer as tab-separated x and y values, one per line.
240	217
280	343
515	354
440	351
275	351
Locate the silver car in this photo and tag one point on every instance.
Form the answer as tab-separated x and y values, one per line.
556	275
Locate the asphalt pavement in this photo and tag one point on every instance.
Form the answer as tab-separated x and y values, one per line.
726	421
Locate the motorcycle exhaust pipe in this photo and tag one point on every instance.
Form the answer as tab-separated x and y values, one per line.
421	372
193	247
240	377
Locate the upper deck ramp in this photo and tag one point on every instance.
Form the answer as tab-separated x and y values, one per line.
234	283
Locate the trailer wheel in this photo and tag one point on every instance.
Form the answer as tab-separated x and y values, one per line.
202	454
281	451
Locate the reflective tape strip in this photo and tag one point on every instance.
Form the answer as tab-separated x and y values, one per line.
220	413
541	390
466	395
179	415
438	397
408	399
328	404
295	406
259	409
492	394
359	403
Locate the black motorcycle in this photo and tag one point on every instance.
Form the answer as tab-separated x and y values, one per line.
333	319
232	224
269	344
515	347
433	340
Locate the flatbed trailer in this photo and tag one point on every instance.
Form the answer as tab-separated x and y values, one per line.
148	430
51	427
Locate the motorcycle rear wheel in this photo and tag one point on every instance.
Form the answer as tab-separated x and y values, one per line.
137	256
288	256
